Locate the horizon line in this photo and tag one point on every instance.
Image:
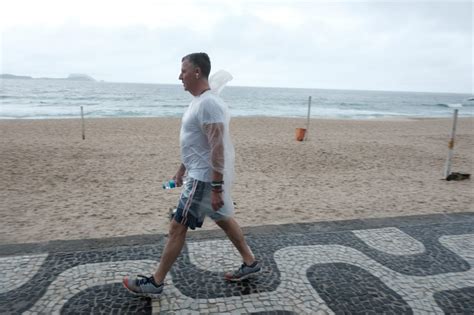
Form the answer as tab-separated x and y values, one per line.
244	86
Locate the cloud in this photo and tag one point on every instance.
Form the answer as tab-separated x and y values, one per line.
424	46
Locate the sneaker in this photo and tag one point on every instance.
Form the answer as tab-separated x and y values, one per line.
143	286
243	272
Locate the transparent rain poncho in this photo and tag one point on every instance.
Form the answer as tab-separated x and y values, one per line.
217	82
205	140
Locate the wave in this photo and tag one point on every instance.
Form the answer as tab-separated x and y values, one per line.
170	106
353	105
454	105
77	98
4	97
449	105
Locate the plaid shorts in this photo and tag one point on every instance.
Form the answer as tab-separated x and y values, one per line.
195	204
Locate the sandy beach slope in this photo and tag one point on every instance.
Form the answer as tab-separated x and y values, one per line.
54	185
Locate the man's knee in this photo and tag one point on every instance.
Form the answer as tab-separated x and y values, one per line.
231	228
226	223
177	230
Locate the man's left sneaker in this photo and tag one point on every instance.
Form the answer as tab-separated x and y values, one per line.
244	272
143	286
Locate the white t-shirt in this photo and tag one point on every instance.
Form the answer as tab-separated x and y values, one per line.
205	109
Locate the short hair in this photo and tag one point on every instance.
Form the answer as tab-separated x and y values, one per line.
200	60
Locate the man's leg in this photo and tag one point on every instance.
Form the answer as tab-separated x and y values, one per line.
234	233
153	286
250	265
174	245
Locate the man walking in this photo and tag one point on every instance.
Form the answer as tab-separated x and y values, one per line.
207	158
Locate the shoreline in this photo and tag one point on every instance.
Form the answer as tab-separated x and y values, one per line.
55	186
383	118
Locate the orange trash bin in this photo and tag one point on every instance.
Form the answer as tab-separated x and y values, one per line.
300	132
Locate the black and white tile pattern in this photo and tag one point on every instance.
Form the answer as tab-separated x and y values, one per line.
406	265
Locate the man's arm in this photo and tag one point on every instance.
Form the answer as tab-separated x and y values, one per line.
215	137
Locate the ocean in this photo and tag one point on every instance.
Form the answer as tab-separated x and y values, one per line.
48	99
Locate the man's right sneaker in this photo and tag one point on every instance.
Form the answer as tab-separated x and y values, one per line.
243	272
143	286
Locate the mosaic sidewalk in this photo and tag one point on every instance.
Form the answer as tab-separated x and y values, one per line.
403	265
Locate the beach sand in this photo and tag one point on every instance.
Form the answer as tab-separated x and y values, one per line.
54	185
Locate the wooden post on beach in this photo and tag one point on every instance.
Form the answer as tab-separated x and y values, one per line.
307	121
447	168
82	122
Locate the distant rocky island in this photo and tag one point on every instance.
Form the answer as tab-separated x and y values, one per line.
71	77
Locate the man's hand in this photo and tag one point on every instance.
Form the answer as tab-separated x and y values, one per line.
178	177
216	200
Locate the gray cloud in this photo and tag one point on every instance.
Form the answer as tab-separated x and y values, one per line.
418	46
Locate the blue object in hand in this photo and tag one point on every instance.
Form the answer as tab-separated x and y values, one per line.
169	184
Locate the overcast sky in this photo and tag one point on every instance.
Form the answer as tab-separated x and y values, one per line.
369	45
